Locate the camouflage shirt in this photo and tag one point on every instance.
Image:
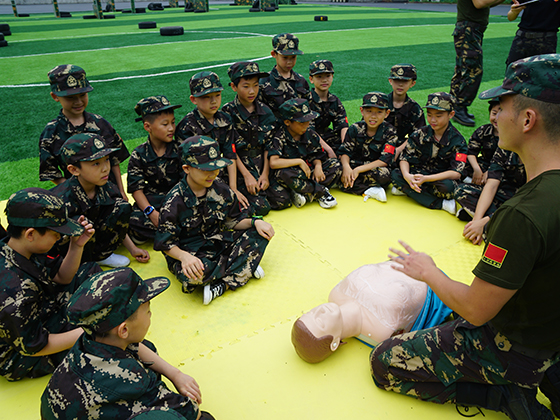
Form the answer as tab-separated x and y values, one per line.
61	129
405	119
360	147
482	144
330	111
103	382
152	174
195	124
275	90
507	167
428	156
307	148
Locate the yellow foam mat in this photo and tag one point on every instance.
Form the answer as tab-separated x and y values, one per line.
238	348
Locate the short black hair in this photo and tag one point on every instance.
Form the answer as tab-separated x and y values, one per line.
154	115
548	111
492	104
16	232
238	80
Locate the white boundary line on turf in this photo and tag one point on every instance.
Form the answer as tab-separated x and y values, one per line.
141	76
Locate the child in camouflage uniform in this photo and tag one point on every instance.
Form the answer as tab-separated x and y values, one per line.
206	237
70	87
434	158
89	192
369	150
254	122
154	166
301	169
34	290
328	106
112	372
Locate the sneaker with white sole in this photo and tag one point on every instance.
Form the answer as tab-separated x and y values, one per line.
377	193
259	273
396	191
327	200
449	206
213	290
298	199
463	215
115	261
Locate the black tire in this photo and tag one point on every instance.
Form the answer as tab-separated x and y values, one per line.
270	9
147	25
200	11
155	6
23	14
1	36
126	11
321	18
6	32
252	9
65	14
171	31
4	27
140	10
108	16
89	17
3	43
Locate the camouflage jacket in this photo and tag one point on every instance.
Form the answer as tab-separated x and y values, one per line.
307	148
154	175
508	168
103	382
330	111
405	119
275	90
195	124
360	147
483	143
188	221
61	129
428	156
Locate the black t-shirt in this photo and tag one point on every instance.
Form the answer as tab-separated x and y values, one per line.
467	11
541	16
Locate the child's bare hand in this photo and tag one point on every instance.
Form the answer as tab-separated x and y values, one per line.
186	385
263	182
251	184
265	229
192	267
154	217
318	174
86	235
413	184
242	199
141	255
305	168
347	179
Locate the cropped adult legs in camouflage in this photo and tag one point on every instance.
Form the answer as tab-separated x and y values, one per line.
433	193
533	43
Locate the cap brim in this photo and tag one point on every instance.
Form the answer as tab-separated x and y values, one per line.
71	228
154	286
165	108
495	93
290	52
308	117
212	166
70	92
439	108
374	106
207	91
321	72
99	155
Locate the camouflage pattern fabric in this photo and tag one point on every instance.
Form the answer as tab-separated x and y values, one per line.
428	364
153	105
286	44
99	381
61	129
526	44
441	101
482	144
200	5
330	112
67	79
403	72
275	90
245	69
468	62
84	147
155	176
363	149
320	67
204	82
405	119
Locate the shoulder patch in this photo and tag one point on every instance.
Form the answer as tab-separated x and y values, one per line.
389	149
461	157
494	255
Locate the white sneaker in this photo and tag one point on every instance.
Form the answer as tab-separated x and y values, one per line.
259	273
467	180
327	200
449	206
212	291
375	192
115	261
298	199
396	191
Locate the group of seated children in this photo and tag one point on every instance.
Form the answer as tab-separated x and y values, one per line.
200	191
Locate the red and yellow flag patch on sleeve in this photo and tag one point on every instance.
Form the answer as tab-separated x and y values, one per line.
494	255
461	157
389	149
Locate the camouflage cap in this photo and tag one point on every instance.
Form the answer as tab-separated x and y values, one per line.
205	82
297	110
286	44
39	208
84	147
375	99
536	77
203	153
152	105
245	69
440	101
403	72
110	297
320	66
68	80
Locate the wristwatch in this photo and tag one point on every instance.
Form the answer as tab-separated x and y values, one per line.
148	210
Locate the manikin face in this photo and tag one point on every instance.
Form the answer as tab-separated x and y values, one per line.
325	319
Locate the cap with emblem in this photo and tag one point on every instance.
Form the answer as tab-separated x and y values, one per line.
375	99
205	82
245	69
68	80
39	208
110	297
84	147
403	72
152	105
286	44
320	66
440	101
202	152
535	77
297	110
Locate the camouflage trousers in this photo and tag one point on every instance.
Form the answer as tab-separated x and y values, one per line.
258	203
468	62
141	224
433	193
428	364
467	195
293	178
527	44
377	177
332	138
233	262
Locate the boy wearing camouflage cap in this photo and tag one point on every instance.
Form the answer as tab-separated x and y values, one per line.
70	87
302	171
254	122
406	115
283	83
89	192
154	166
434	158
34	289
508	342
112	372
369	150
207	238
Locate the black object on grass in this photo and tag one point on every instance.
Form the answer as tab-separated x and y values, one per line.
321	18
147	25
171	30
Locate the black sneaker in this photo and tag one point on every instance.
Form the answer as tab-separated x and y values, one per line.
213	290
298	199
327	200
517	403
463	215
